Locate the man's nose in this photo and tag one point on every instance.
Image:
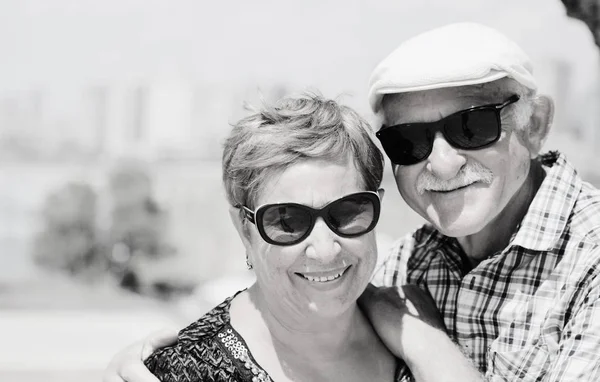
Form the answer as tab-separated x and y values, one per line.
444	161
322	244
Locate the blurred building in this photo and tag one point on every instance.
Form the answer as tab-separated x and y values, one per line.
176	126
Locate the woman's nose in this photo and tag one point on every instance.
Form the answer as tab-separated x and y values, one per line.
322	243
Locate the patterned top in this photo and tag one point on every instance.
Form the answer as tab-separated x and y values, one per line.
532	311
210	349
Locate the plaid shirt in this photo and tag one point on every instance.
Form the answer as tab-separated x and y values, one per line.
532	311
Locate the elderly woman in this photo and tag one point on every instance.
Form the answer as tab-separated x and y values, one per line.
303	180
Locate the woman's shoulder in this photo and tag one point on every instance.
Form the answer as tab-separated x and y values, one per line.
207	326
197	354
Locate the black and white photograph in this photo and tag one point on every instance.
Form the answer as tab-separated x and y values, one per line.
306	191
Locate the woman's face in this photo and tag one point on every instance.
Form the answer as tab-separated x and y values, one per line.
304	278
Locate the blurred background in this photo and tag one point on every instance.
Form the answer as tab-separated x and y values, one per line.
113	221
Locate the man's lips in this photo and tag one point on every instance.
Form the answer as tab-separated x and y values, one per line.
450	190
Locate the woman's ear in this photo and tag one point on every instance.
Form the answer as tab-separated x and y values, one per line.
241	225
539	124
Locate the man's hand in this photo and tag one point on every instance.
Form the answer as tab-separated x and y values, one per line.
409	324
128	364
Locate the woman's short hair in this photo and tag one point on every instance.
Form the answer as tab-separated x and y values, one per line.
292	130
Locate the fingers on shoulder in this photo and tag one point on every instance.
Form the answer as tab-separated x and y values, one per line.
159	339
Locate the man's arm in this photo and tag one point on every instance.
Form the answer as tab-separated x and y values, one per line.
409	324
128	364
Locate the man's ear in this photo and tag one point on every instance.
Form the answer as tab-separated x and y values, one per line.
539	124
241	225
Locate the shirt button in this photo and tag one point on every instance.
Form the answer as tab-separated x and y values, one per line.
472	283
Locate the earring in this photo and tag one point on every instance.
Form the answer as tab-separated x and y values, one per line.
248	263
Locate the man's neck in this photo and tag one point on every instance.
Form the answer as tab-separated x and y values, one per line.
497	234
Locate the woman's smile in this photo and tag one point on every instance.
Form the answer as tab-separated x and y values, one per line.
326	276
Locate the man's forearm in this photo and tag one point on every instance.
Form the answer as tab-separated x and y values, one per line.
409	324
432	356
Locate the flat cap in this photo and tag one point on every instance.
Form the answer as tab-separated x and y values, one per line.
453	55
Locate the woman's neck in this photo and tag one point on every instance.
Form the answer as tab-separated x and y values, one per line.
302	346
304	333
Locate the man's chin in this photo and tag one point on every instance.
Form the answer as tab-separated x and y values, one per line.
457	232
458	220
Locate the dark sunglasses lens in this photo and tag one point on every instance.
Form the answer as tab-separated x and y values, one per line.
472	130
354	215
285	223
406	144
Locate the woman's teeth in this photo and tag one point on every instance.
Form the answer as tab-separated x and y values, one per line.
322	279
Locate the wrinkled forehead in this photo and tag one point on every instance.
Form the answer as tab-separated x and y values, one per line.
300	181
432	105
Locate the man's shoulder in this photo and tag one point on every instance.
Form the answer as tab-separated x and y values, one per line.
568	199
418	242
406	254
585	218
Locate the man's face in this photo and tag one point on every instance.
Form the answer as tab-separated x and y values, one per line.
459	191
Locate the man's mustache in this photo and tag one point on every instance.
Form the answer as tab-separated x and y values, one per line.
470	173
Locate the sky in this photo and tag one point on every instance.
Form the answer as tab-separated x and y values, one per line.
63	45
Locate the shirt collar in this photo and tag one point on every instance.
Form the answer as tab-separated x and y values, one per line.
429	237
551	207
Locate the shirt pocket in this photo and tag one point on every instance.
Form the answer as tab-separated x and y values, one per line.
528	364
522	351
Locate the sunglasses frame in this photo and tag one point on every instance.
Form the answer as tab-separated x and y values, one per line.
439	126
315	213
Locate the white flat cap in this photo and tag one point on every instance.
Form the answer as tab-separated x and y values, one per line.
454	55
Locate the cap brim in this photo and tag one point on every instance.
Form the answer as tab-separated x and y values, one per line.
383	90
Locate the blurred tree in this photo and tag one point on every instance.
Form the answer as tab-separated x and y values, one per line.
67	241
588	11
137	222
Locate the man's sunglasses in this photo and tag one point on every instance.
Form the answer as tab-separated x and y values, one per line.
470	129
290	223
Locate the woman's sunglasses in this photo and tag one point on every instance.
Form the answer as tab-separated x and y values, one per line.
290	223
470	129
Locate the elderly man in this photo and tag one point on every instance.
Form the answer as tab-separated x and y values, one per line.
511	251
510	254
